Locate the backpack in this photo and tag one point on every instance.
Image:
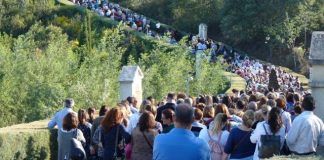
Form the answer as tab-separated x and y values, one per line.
77	151
216	150
270	145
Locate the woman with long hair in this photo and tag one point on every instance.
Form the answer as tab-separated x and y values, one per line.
233	119
271	125
208	115
238	144
114	135
143	137
65	135
85	127
215	136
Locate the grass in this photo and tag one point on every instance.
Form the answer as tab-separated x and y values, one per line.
236	81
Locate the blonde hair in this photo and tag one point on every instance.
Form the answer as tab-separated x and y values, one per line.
248	118
219	122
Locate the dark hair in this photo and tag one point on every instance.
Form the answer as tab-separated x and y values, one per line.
168	114
70	121
112	118
198	114
103	110
184	114
130	100
240	104
298	108
151	99
290	97
201	106
69	102
274	120
146	121
308	103
296	97
215	99
91	110
253	97
227	100
181	95
82	116
263	100
235	90
171	95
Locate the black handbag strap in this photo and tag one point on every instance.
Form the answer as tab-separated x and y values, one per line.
116	142
147	141
265	129
76	133
240	141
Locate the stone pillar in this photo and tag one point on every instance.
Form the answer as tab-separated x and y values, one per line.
316	82
203	31
130	80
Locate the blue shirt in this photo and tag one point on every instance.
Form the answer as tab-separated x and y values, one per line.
180	144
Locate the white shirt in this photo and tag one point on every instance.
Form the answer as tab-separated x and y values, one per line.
204	135
306	133
58	118
197	124
259	130
133	109
133	120
286	119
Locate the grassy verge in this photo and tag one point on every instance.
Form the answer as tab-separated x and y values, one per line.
28	141
236	81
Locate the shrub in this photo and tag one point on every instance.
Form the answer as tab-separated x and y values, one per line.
28	142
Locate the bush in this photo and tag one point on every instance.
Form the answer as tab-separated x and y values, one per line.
28	142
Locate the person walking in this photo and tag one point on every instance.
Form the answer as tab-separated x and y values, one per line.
167	146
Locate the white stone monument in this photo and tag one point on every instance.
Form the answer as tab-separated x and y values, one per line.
203	31
316	58
130	80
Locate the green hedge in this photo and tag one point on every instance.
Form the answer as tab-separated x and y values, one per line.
32	141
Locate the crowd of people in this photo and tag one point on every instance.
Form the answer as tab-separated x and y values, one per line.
135	21
257	123
257	74
241	125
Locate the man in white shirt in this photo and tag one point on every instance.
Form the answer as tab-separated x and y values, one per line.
307	130
58	117
132	104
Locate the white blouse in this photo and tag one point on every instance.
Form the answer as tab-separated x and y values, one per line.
259	130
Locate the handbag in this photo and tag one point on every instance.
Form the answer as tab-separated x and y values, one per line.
270	145
147	141
100	148
116	144
76	149
285	149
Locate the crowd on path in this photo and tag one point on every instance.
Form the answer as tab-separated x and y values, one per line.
135	21
257	123
241	125
255	73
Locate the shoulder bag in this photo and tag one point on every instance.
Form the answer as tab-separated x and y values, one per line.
76	148
270	145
